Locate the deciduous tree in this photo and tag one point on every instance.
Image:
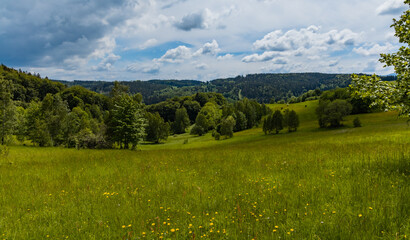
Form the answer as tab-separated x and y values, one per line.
391	95
181	121
127	122
7	109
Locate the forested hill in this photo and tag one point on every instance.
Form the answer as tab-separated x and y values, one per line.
27	86
262	87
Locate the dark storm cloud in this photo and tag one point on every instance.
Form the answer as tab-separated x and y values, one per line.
48	32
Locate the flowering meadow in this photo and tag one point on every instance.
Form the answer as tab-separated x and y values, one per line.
348	183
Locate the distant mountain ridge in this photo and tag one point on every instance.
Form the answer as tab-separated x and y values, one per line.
264	87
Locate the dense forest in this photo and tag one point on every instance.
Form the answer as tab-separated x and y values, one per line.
265	88
47	113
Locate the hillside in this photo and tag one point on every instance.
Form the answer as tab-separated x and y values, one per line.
27	86
288	186
262	87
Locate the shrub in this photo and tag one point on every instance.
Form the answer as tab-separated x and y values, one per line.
330	114
197	130
356	122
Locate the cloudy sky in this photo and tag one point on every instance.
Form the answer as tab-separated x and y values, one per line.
195	39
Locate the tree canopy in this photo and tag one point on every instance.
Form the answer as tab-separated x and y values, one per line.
391	95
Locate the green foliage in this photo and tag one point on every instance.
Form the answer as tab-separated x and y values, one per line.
391	95
273	122
36	125
118	89
241	121
217	136
27	86
212	115
20	124
356	122
277	121
227	126
78	96
156	129
53	112
166	109
181	121
331	114
290	120
7	109
201	125
261	87
126	123
193	108
198	129
359	104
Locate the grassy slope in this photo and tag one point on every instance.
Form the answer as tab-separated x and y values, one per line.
349	183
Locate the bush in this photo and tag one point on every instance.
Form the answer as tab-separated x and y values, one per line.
197	130
356	122
217	136
330	114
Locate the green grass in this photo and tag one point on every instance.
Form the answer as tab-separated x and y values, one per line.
348	183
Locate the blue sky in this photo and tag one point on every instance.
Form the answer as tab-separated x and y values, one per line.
195	39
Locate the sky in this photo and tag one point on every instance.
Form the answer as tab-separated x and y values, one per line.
195	39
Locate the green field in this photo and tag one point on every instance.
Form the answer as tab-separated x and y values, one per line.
346	183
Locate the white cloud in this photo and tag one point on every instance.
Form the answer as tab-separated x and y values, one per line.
151	68
210	48
280	61
391	7
225	57
125	39
266	56
306	38
176	55
149	43
333	63
376	49
181	53
201	66
107	63
154	69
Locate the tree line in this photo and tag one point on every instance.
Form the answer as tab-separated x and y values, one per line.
77	117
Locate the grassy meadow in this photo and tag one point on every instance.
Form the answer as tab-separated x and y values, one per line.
346	183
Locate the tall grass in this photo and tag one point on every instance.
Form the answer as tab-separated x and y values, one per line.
350	183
